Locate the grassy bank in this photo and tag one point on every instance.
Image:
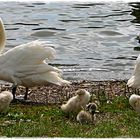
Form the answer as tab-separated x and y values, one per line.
115	119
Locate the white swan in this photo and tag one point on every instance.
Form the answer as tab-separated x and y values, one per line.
5	99
134	81
25	64
134	101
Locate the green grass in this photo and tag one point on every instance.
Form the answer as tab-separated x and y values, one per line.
116	119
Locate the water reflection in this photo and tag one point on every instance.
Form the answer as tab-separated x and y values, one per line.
136	12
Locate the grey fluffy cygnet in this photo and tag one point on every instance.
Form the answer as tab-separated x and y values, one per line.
87	115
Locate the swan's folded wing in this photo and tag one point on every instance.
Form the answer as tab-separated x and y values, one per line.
28	70
39	75
31	53
28	67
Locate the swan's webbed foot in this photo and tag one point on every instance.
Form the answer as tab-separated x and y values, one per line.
23	98
20	98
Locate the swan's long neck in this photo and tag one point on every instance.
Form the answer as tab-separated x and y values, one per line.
2	36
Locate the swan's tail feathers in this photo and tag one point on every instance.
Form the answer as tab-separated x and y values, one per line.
130	82
55	78
28	70
2	35
40	75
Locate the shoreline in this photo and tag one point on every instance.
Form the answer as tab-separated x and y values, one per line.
52	94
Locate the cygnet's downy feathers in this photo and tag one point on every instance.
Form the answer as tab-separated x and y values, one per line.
5	99
76	103
87	115
134	101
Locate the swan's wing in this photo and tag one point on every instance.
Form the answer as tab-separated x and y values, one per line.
29	57
28	70
31	53
27	64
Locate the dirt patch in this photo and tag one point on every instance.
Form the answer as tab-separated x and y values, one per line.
52	94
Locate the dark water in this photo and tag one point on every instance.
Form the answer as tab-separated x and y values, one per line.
95	41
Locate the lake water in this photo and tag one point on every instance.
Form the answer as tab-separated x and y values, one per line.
94	41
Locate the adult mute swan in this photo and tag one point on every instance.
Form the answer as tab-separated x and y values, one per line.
25	64
134	81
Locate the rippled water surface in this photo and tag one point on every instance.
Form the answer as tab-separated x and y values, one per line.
95	41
